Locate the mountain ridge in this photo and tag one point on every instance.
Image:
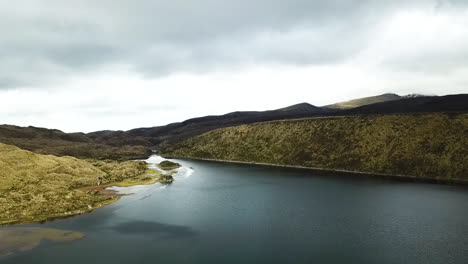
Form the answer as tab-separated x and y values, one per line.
138	143
364	101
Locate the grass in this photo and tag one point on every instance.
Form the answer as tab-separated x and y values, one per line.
37	187
168	165
150	177
421	145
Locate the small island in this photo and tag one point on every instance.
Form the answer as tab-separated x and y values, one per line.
168	165
167	178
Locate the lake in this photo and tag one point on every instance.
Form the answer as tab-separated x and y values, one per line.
230	213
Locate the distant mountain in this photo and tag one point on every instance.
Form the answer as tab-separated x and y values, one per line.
365	101
177	131
418	104
56	142
136	143
302	108
383	104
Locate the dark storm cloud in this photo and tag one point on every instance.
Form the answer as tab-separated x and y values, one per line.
44	41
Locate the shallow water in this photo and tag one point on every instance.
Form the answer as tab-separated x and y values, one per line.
228	213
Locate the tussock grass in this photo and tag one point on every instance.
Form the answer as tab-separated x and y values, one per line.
35	187
150	177
422	145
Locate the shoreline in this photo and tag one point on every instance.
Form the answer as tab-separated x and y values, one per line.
100	189
399	177
150	177
58	216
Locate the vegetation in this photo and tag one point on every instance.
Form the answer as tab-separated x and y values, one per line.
421	145
413	104
365	101
137	143
167	178
58	143
20	239
150	177
168	165
37	187
382	104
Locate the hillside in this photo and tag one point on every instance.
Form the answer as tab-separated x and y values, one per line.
428	104
422	145
56	142
36	187
137	143
365	101
178	131
383	104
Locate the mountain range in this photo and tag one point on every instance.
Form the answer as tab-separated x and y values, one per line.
381	104
136	143
366	101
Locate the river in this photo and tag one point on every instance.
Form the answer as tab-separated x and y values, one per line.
231	213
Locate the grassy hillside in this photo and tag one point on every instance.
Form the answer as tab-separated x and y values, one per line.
137	143
58	143
457	103
36	187
176	132
425	145
382	104
365	101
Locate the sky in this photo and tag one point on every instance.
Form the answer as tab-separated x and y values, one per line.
89	65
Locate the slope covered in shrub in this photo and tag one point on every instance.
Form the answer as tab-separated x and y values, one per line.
36	187
422	145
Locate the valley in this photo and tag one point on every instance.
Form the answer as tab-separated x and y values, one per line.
48	174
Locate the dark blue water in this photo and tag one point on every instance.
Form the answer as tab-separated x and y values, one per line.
227	213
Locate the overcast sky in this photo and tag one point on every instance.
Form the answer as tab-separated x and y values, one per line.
90	65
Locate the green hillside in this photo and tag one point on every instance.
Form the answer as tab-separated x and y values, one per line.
423	145
35	187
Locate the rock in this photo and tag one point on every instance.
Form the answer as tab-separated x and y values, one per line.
167	179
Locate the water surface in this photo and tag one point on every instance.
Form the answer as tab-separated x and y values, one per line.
228	213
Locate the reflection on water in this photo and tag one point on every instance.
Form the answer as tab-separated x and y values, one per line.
21	239
154	229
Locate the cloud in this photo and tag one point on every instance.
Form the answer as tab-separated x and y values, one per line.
118	64
434	42
46	42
